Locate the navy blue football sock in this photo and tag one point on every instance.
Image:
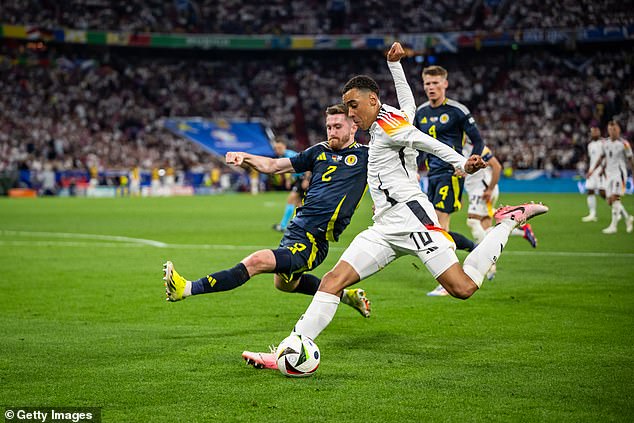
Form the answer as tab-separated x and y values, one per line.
308	284
462	242
224	280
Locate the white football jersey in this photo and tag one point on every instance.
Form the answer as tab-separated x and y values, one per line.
392	168
595	149
479	181
617	153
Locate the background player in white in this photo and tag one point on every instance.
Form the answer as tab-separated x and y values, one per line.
404	221
616	153
595	181
483	190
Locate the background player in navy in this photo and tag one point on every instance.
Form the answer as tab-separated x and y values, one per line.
449	122
339	171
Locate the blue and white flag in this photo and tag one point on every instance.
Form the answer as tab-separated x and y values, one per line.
220	136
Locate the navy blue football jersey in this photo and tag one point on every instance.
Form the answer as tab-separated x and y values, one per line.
448	123
337	185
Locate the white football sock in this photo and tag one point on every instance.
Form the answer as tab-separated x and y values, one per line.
318	315
476	229
622	209
480	260
592	204
616	213
188	289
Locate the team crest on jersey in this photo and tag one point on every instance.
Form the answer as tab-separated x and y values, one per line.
351	160
444	118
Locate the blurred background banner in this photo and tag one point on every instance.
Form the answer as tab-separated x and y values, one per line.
221	136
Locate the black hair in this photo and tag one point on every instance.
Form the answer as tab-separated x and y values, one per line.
361	82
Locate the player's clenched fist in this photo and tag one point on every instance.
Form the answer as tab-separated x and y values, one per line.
234	158
474	163
396	52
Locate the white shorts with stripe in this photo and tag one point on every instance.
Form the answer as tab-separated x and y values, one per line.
419	235
478	206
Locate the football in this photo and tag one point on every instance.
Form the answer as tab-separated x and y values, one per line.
297	356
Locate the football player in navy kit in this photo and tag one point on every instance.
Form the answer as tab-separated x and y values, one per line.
449	122
339	170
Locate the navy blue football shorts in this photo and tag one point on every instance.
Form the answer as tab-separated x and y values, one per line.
299	251
445	192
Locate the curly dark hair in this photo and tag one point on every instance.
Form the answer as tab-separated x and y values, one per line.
361	82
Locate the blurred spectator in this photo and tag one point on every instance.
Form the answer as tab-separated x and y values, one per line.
314	16
101	109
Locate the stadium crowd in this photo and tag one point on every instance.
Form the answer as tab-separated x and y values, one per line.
103	109
313	16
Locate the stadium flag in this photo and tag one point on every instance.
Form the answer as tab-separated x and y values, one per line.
14	31
220	136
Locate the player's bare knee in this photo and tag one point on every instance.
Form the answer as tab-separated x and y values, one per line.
457	283
259	262
334	282
464	291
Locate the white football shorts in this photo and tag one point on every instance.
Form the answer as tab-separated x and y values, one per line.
372	250
614	186
478	206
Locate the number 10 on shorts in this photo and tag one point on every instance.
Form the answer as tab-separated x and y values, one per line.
422	240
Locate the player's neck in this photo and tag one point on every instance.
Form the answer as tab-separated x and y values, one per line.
343	147
437	102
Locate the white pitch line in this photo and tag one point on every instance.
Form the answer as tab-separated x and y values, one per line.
567	253
137	242
263	247
70	244
85	236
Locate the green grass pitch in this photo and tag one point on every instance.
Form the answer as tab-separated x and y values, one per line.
84	322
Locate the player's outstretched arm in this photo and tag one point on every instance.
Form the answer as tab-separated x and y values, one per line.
260	163
405	134
404	93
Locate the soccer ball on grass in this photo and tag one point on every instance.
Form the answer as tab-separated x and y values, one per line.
297	356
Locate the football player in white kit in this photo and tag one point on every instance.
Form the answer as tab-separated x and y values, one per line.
482	187
616	153
595	181
405	222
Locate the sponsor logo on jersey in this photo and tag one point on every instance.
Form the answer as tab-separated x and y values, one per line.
444	118
433	119
322	156
351	160
423	120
